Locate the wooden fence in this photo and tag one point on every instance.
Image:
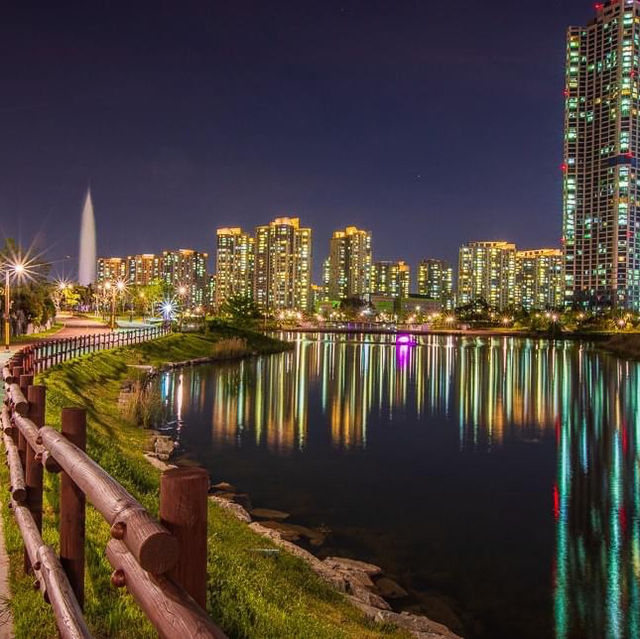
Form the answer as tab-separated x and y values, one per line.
161	563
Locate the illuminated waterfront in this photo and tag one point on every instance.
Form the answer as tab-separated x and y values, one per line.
498	479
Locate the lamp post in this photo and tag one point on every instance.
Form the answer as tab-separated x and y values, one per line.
17	269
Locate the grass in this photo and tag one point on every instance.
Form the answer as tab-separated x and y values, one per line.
250	595
34	337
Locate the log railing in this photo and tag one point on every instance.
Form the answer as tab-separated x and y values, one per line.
49	352
161	563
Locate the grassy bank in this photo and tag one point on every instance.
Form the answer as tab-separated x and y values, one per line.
250	595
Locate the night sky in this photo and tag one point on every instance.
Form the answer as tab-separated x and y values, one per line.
429	123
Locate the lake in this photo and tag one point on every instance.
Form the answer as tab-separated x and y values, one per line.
497	479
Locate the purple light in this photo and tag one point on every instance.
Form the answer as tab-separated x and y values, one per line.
405	339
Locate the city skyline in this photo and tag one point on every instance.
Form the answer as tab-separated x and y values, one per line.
166	168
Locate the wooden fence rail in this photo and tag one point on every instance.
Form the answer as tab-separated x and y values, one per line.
163	571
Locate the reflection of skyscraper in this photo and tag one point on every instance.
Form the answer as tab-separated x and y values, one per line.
597	506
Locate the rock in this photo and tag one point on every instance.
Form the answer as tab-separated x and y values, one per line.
389	589
235	509
269	513
293	532
239	498
330	576
345	563
367	597
420	627
154	461
224	486
163	447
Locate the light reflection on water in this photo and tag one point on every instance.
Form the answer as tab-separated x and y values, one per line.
473	414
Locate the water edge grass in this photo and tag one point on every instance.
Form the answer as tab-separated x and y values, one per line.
250	594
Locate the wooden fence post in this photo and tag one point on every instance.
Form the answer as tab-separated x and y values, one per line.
33	470
72	506
183	511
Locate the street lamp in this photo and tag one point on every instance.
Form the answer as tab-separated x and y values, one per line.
17	270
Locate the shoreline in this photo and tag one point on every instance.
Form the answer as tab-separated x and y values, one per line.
249	591
478	332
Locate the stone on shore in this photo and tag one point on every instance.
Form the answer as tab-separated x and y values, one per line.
239	498
269	513
345	563
235	509
225	487
389	589
293	532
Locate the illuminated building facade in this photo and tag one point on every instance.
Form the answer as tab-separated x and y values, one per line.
111	269
186	269
234	263
435	281
143	269
282	275
348	268
391	278
540	278
487	270
601	218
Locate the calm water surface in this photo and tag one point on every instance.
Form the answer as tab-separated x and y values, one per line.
497	479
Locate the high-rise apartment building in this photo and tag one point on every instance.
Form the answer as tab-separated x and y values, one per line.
540	278
110	269
282	275
487	270
348	269
601	218
142	270
185	271
234	263
435	281
391	278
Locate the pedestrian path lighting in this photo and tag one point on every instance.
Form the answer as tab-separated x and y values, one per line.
11	270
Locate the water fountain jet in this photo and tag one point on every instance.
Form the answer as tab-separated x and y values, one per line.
87	260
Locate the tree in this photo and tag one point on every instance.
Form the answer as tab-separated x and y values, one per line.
353	307
240	309
31	301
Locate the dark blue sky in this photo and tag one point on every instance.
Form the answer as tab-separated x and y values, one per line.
429	123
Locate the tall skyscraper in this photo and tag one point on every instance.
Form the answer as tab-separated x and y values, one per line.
282	277
601	219
487	270
348	271
435	281
185	270
234	263
391	278
111	269
540	278
143	269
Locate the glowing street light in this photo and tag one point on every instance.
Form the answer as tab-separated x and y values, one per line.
16	269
